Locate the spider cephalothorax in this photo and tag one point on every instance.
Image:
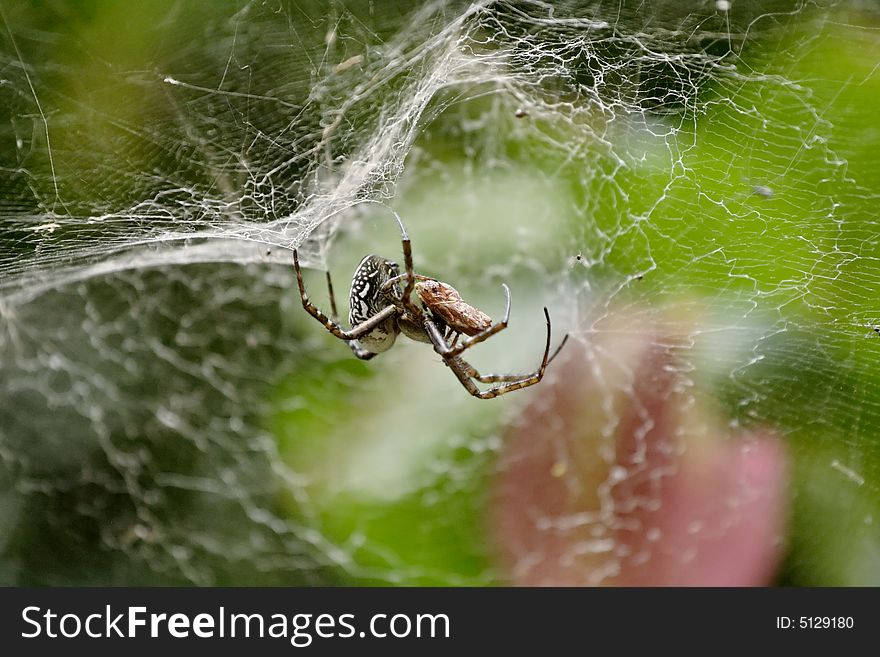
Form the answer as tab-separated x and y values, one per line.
380	310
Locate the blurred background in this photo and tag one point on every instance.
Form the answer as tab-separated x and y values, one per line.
690	188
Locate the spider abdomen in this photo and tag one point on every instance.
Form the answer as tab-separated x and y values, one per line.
367	297
380	338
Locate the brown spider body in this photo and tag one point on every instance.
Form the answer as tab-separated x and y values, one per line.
379	310
444	301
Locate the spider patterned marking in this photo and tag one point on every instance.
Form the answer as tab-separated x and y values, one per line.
368	297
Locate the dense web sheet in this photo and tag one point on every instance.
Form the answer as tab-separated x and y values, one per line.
169	414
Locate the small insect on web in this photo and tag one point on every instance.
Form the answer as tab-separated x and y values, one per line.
380	311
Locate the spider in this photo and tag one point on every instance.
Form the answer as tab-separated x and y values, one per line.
379	311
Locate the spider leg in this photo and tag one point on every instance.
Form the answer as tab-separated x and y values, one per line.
442	349
488	378
464	371
406	246
499	378
489	332
356	349
334	316
331	324
400	277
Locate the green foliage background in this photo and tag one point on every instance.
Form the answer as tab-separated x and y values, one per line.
753	193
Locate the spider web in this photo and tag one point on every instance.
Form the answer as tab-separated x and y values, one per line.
169	414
